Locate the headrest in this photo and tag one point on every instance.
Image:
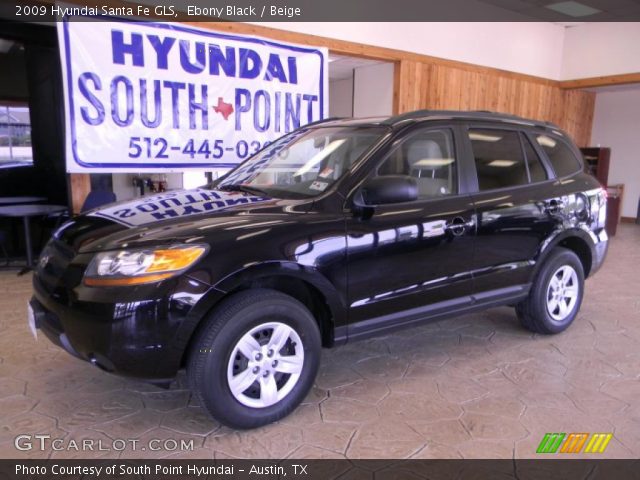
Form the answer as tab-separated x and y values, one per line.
421	150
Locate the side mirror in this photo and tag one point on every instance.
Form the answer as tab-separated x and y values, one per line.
389	189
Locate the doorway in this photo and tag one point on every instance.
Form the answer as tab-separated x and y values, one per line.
360	87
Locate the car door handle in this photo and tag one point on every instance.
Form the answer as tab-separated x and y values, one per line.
454	226
458	225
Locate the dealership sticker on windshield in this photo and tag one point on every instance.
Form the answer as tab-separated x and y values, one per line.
320	186
327	172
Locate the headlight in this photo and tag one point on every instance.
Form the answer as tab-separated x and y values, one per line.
134	267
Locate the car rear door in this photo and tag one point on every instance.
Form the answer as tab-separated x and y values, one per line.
513	200
411	259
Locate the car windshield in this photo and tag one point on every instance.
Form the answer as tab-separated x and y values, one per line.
304	163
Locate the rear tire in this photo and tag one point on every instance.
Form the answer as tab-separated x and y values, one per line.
556	294
255	359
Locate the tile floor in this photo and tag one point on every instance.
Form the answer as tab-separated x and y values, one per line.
477	386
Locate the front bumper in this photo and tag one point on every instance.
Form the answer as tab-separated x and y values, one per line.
49	324
599	250
131	332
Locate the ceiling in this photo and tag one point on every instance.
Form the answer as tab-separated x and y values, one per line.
606	10
341	67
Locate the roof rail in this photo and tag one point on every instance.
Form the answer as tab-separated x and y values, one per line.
478	114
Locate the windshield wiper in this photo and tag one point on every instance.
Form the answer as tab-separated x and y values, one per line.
239	187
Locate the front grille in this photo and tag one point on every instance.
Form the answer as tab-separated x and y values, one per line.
54	265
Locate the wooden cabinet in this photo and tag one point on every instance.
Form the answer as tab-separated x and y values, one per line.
596	161
615	193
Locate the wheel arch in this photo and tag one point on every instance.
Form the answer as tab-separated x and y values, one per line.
303	283
576	240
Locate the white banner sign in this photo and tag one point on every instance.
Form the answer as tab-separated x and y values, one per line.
156	96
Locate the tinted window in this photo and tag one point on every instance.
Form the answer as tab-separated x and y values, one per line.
429	157
563	160
499	159
536	170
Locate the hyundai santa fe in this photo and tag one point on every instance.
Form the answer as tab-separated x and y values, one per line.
337	231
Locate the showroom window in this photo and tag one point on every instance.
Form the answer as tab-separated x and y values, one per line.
429	157
563	160
15	136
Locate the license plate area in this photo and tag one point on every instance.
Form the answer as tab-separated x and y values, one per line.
31	320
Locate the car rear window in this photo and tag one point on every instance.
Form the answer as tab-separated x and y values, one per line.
562	158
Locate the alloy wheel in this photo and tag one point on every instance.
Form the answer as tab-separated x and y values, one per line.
562	293
265	364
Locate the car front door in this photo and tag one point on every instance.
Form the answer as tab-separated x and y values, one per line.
411	259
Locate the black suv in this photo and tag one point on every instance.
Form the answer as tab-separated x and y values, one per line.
337	231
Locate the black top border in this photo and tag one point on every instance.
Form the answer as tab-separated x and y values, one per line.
303	11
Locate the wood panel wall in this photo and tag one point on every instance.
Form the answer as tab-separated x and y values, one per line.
421	85
79	188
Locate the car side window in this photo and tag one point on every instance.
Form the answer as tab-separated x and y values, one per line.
429	157
534	164
563	160
499	159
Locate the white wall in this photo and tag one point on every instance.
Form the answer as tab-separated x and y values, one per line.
373	90
534	48
341	98
597	49
122	186
616	124
543	49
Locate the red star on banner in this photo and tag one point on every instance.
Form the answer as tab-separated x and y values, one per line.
223	108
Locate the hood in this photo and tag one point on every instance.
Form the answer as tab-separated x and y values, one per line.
178	204
172	217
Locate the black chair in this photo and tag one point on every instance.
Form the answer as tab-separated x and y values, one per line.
49	224
97	198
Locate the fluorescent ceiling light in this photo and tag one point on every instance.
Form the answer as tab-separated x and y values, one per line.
482	137
573	9
501	163
546	141
433	162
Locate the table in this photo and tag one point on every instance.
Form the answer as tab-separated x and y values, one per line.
26	212
20	200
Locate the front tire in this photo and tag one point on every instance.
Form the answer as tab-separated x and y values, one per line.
255	359
556	295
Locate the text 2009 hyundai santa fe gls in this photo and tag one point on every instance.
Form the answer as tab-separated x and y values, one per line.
337	231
